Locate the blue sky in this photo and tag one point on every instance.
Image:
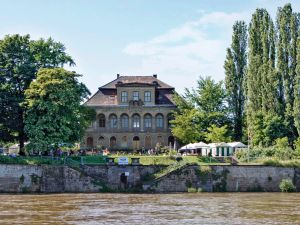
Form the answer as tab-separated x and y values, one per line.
178	40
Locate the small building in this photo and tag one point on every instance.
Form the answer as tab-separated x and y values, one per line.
195	148
237	146
220	149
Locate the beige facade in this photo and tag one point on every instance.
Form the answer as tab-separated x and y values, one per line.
132	113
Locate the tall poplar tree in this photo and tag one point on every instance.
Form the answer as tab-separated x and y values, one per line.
287	26
297	89
235	69
261	81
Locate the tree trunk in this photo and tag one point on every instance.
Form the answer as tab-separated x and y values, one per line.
21	133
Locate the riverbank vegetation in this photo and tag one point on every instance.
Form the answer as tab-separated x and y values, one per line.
259	101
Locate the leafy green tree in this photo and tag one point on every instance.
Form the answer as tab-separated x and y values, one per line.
217	134
235	70
54	111
198	109
287	26
20	59
283	151
185	127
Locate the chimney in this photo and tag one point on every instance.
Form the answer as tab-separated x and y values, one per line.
155	75
118	75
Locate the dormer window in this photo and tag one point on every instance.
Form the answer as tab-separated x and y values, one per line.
135	96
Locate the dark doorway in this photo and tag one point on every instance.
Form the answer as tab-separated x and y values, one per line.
123	179
90	142
136	143
171	141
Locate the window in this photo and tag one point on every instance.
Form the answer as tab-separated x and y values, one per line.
135	96
124	121
113	122
148	121
101	120
147	97
159	121
136	121
124	96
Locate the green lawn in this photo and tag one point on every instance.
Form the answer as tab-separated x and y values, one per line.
97	160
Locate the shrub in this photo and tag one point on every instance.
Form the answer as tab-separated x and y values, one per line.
205	169
286	185
192	190
178	158
200	190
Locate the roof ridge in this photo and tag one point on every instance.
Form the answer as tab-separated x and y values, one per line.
131	79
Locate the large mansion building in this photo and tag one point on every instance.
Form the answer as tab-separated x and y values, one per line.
133	112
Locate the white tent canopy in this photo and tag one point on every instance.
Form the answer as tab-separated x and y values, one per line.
188	146
200	145
237	145
194	146
221	144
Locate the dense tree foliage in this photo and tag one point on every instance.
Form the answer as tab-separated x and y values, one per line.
54	113
198	109
288	28
235	70
217	134
20	59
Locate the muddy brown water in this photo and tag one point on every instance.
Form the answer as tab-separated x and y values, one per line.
202	208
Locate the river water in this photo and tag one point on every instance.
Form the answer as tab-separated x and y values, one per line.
202	208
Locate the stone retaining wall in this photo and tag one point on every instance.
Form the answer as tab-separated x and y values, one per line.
58	179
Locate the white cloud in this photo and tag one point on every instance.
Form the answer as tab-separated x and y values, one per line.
181	54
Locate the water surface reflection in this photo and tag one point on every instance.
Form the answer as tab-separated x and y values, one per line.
204	208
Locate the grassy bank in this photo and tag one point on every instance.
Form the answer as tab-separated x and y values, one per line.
144	160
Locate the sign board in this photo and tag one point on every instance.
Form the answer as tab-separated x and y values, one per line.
123	160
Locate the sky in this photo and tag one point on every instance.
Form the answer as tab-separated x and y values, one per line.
179	40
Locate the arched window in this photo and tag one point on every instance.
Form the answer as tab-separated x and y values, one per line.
101	141
124	121
136	121
113	142
101	120
147	121
113	121
159	121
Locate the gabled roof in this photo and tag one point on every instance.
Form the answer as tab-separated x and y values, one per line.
237	145
221	144
150	80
